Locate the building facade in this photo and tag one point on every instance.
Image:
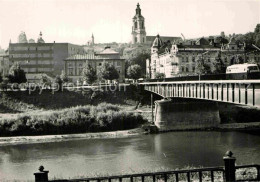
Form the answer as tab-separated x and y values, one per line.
175	60
74	64
41	57
4	64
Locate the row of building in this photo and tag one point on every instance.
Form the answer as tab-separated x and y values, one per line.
179	59
171	56
50	59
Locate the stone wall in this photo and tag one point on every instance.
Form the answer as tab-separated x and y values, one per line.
186	114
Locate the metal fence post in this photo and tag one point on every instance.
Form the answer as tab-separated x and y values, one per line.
230	170
41	176
258	172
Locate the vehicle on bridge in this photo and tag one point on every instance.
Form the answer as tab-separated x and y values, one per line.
242	71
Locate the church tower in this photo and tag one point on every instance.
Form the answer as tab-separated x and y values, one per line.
92	39
138	28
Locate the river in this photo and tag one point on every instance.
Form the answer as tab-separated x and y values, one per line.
88	157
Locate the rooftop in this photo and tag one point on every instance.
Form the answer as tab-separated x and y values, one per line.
108	50
83	57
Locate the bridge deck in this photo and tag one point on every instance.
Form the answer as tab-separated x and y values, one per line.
244	92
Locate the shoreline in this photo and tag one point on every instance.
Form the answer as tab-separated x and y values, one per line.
16	140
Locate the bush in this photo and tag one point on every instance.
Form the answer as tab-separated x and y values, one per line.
103	117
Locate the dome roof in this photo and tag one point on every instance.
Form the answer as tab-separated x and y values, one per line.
31	41
40	40
157	42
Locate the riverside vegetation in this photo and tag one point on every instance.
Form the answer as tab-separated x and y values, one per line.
103	117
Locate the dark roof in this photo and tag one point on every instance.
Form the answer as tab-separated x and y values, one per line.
197	46
108	50
163	38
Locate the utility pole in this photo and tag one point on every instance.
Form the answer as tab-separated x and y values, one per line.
152	106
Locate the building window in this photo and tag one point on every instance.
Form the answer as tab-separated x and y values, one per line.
193	59
187	69
70	71
135	24
187	59
80	69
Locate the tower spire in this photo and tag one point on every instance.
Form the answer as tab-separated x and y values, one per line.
138	28
138	9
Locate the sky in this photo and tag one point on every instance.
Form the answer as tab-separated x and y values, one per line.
74	21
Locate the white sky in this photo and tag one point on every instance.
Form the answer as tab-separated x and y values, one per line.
111	20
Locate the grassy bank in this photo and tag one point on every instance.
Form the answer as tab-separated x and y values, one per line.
22	101
80	119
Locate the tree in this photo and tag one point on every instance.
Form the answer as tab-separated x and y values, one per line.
221	40
89	74
257	29
218	65
16	74
108	72
257	40
58	82
140	59
134	71
45	80
201	67
158	75
4	83
64	77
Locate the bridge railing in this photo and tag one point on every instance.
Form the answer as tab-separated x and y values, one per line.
228	173
244	92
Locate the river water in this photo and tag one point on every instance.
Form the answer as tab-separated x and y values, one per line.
173	150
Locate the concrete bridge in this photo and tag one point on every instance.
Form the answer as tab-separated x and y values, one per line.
194	104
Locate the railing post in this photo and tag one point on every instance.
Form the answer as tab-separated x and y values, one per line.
258	172
230	170
41	176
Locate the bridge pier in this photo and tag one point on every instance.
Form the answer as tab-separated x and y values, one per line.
186	114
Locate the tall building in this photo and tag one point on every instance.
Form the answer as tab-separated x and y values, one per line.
75	64
138	28
38	58
139	33
92	40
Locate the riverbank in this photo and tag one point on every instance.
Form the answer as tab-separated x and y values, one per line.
243	127
66	137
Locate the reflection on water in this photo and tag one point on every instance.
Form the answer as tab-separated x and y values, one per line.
126	155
